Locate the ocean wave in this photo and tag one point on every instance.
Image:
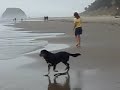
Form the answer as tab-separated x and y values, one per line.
15	43
14	50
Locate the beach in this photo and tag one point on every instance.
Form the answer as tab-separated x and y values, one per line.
98	68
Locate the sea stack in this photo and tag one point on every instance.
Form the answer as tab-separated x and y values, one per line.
11	13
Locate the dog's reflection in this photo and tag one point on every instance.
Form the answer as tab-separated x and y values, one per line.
58	86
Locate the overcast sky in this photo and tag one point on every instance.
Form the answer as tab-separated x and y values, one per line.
38	8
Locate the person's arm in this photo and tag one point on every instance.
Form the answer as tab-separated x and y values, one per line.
74	24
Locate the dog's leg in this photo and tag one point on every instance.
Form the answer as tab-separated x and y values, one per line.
54	67
49	80
68	67
55	82
49	65
49	68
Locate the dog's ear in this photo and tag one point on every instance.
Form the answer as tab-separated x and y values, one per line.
44	50
43	53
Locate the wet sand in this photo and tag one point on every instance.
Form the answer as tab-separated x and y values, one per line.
98	68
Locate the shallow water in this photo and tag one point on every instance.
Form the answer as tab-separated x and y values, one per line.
15	43
24	73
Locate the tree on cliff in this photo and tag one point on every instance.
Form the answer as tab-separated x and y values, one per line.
103	7
103	3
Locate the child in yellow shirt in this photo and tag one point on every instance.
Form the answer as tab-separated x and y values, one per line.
77	28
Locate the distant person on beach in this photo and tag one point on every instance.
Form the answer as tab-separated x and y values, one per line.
21	19
14	20
77	28
45	18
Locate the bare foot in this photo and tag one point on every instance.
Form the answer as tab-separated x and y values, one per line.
78	45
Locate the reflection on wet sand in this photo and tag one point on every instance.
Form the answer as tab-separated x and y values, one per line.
59	86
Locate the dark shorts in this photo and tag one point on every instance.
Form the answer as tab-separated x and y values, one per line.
78	31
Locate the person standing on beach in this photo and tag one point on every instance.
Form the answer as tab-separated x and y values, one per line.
77	28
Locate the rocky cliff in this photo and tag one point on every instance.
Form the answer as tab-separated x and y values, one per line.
12	13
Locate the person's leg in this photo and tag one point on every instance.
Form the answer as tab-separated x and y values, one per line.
78	37
78	40
78	31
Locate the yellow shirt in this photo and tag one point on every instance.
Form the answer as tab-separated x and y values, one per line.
77	23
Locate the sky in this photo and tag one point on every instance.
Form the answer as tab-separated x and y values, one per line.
38	8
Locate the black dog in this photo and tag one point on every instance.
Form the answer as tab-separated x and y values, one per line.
54	58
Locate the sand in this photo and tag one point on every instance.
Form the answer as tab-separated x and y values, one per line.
98	68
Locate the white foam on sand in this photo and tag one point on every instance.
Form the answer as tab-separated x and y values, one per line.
51	47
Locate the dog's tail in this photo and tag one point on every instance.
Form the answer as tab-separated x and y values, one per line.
75	55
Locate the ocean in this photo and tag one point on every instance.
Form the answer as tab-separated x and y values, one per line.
14	43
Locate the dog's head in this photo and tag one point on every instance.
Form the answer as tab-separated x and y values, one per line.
43	53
